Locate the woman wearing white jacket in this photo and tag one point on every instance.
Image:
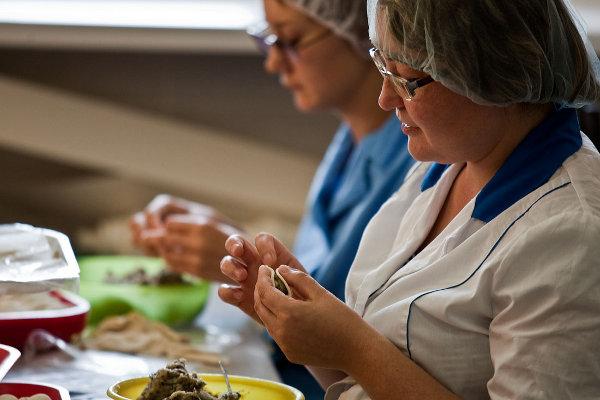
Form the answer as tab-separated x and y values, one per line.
480	277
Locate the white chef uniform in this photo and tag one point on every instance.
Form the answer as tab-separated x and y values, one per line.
505	302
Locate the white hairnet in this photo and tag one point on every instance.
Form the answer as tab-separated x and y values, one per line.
346	18
494	52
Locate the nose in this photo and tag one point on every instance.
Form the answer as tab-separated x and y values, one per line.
275	62
389	99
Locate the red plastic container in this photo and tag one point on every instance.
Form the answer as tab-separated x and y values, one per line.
63	323
20	389
8	356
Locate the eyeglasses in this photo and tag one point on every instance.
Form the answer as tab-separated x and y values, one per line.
264	39
404	87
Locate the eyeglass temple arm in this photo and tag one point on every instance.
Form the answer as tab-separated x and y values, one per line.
413	85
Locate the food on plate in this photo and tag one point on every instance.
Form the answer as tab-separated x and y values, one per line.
140	276
135	334
174	382
39	396
30	302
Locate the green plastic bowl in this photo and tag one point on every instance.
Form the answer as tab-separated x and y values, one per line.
175	305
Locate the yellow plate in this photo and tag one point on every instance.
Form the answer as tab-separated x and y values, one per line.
249	388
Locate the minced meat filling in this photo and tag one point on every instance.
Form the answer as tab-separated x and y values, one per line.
174	382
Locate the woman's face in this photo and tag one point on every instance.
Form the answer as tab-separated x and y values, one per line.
442	125
321	76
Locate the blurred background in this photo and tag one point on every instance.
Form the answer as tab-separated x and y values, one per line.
106	103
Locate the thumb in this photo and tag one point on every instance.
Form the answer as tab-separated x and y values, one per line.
302	284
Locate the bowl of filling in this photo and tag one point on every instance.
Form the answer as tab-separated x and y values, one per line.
116	285
174	382
61	313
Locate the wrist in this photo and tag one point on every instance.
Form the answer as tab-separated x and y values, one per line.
362	341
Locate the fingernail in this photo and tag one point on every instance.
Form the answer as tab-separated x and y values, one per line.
283	268
238	275
237	247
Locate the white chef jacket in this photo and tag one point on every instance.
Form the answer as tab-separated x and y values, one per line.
505	302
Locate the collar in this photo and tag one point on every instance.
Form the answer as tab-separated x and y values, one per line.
531	164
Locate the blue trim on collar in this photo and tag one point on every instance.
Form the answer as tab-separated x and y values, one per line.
433	175
531	164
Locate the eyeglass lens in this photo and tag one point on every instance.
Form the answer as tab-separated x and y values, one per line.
399	86
265	39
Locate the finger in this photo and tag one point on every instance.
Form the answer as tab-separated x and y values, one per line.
273	252
234	295
153	220
234	269
266	316
300	282
263	285
239	247
231	294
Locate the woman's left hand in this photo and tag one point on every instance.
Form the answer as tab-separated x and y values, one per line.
313	328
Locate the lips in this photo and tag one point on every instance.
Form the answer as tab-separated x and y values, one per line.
407	125
409	128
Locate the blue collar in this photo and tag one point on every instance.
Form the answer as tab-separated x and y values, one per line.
531	164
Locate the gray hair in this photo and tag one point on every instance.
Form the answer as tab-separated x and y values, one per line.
494	52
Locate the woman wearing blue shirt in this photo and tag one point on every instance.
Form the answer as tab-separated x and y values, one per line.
319	49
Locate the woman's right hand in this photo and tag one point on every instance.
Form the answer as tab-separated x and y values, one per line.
242	263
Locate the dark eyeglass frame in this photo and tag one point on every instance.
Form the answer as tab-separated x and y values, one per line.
265	38
406	88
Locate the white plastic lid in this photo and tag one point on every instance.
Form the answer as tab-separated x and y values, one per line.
35	260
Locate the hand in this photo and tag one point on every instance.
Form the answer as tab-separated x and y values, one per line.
242	267
313	328
195	244
148	226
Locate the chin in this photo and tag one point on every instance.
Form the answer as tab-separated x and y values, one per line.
420	152
308	104
305	106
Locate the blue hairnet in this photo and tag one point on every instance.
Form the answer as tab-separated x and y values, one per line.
495	52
